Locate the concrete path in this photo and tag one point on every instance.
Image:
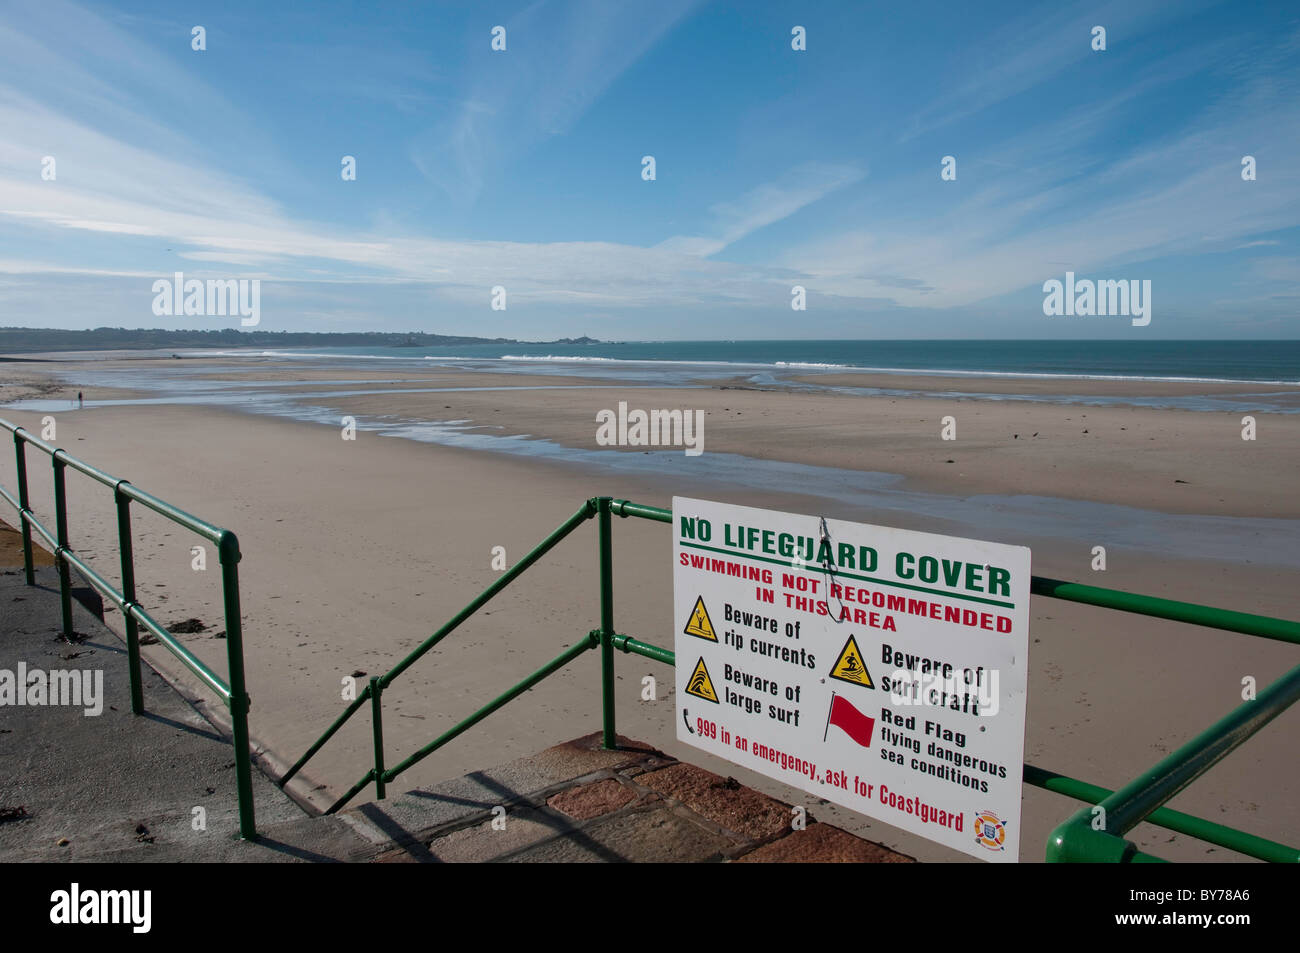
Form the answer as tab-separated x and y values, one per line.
113	787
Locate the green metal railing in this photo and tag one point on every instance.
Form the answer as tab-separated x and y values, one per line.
1090	835
232	692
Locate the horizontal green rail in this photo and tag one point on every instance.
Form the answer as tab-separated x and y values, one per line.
1283	630
231	691
1140	801
1246	623
625	508
1169	819
192	662
637	647
162	507
132	609
1077	840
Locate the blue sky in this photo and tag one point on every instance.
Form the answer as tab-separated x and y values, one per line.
775	167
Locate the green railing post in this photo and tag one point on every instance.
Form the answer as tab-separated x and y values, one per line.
127	554
234	694
228	549
587	643
607	620
377	720
588	510
61	523
24	506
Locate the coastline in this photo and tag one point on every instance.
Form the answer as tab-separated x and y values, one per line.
1160	459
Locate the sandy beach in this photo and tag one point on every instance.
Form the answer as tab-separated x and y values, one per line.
356	550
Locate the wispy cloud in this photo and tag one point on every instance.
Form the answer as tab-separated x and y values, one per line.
113	190
1024	223
771	202
1035	48
141	189
560	57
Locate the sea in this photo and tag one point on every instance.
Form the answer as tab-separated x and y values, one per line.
1267	373
1275	362
1239	377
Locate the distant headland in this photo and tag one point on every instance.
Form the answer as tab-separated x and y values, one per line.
17	340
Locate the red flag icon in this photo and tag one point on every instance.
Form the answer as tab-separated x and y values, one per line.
855	724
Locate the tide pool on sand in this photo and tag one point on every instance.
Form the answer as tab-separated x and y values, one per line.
878	668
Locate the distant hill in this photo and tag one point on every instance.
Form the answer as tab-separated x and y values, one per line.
20	340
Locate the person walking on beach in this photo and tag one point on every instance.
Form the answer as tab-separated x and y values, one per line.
80	402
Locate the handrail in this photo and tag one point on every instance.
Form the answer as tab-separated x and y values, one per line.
1265	627
1209	831
1080	839
1075	840
232	691
538	551
162	507
380	776
541	549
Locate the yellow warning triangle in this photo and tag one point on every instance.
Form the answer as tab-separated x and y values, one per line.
849	667
699	623
700	685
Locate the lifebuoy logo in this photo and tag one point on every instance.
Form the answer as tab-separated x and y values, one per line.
990	831
103	907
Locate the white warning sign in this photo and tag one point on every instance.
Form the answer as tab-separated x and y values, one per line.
882	669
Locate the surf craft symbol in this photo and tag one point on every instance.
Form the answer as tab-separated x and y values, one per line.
849	667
